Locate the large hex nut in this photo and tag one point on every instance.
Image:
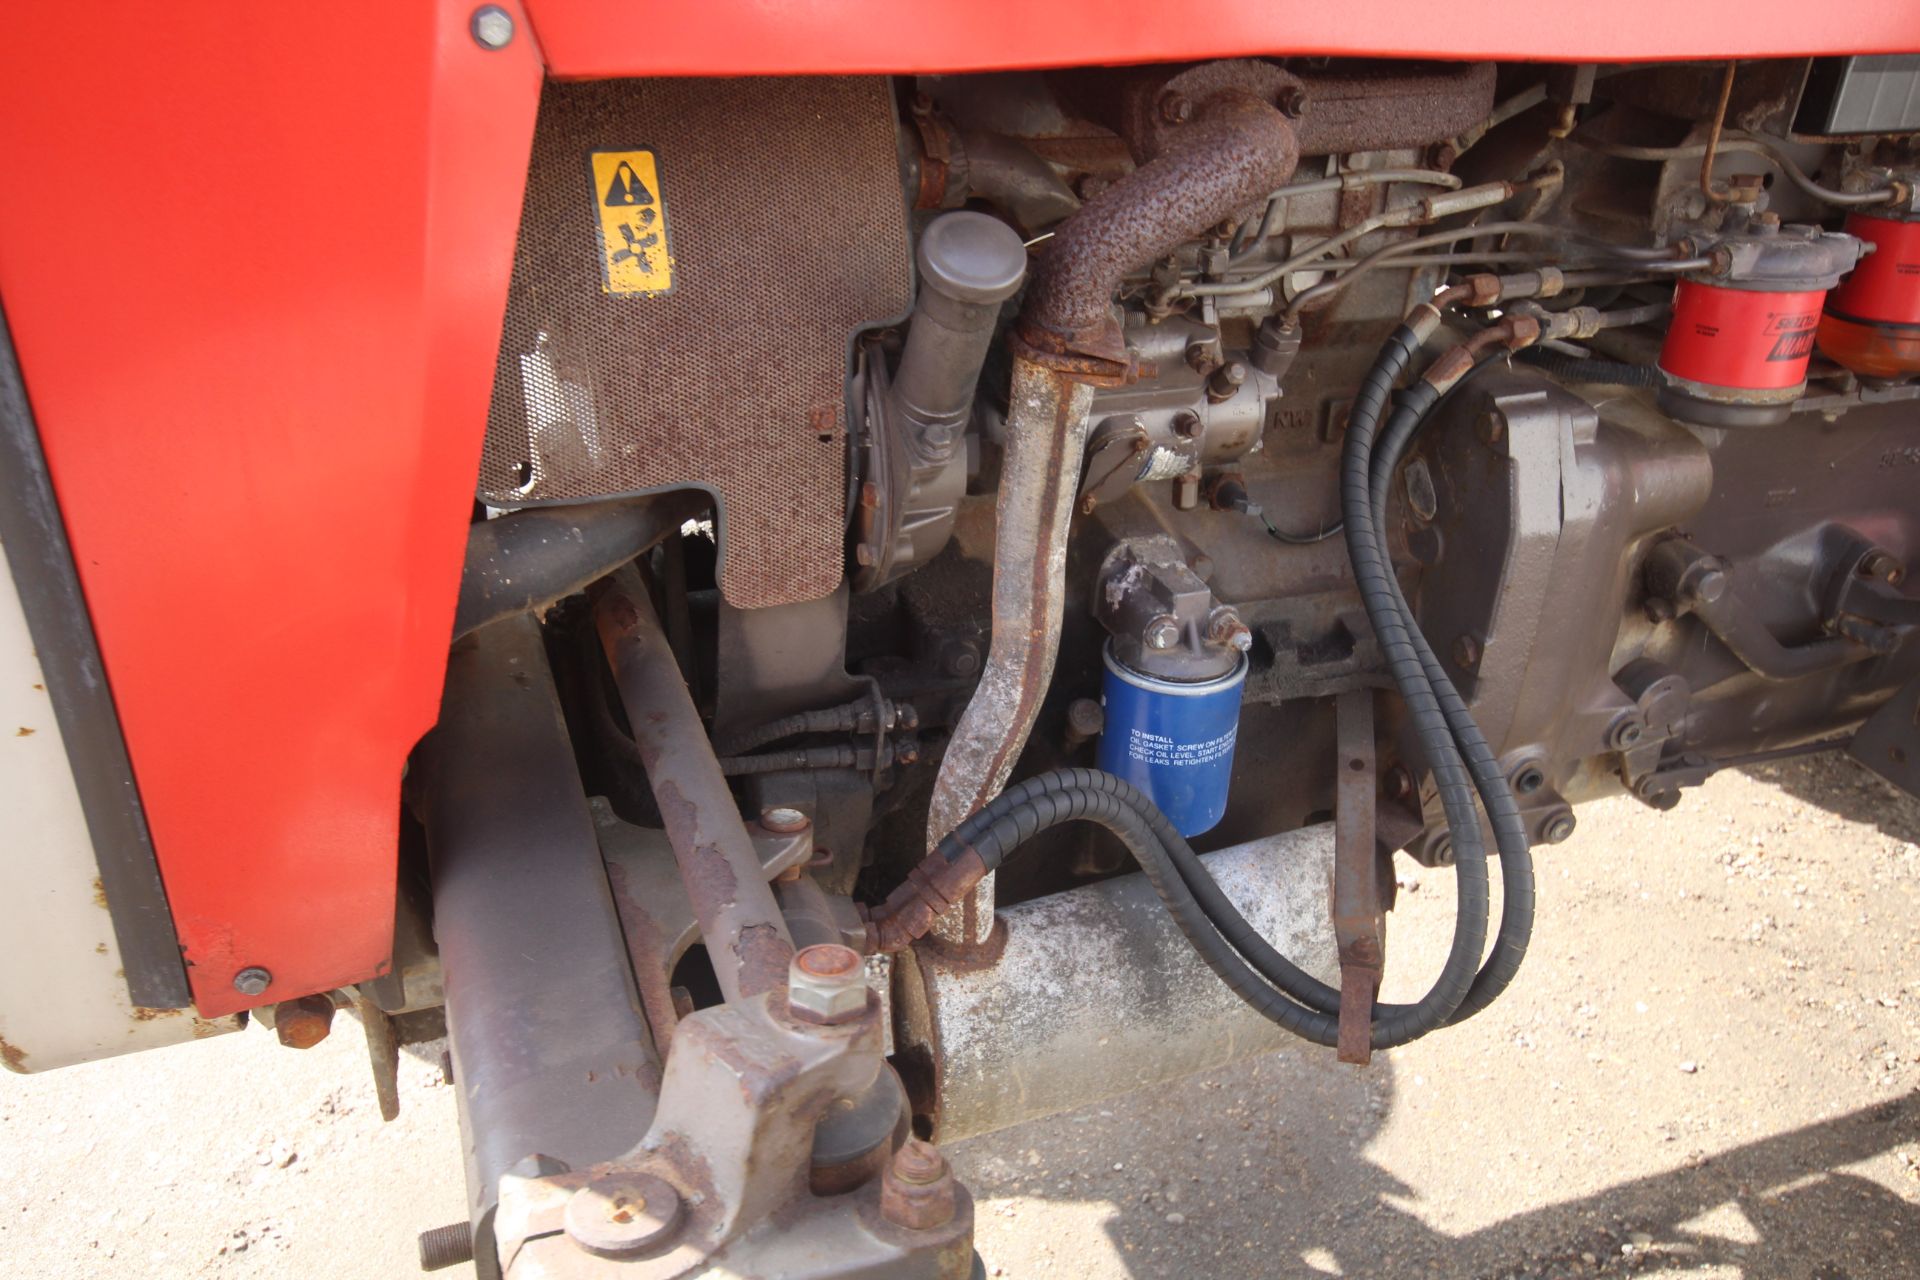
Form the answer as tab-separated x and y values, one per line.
827	984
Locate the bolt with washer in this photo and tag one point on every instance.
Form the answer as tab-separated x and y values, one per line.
1163	632
827	985
252	980
492	27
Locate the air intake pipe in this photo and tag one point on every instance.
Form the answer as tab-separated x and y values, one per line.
970	264
1237	148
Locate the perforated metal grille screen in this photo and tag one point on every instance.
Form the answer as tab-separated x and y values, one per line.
780	205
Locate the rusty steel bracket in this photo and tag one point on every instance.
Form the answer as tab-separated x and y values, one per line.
1358	927
720	1183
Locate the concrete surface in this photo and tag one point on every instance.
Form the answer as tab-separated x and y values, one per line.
1707	1068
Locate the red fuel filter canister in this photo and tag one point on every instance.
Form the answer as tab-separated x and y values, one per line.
1872	321
1743	330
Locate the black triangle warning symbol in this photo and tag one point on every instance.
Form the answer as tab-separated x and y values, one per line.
626	187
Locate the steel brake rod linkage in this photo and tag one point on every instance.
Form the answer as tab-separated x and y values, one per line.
745	934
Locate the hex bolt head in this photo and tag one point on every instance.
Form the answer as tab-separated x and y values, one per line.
1293	102
1176	108
1558	828
1187	425
303	1023
1466	652
492	27
1162	633
827	985
783	821
623	1214
916	1191
252	980
1225	381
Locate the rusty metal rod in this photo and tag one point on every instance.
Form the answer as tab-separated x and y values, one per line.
745	935
1713	138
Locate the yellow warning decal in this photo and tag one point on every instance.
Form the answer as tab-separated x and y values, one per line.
634	256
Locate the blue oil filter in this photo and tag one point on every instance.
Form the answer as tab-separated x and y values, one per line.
1173	740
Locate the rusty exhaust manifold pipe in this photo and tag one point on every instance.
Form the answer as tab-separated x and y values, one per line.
1237	148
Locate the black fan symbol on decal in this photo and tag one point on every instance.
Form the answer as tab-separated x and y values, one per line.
639	240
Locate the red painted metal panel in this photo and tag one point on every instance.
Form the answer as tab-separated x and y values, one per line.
756	37
255	259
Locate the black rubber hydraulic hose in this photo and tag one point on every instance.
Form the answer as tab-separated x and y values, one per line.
1373	575
1023	811
1496	794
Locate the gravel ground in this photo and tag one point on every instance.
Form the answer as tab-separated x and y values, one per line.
1708	1067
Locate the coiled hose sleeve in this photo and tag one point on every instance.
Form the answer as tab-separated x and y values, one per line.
1496	794
1613	373
1373	575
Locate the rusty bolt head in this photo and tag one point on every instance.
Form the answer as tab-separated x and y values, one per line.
252	981
623	1214
1162	633
1176	108
303	1023
1226	628
1292	102
1399	783
916	1191
1187	425
827	984
783	821
1466	652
